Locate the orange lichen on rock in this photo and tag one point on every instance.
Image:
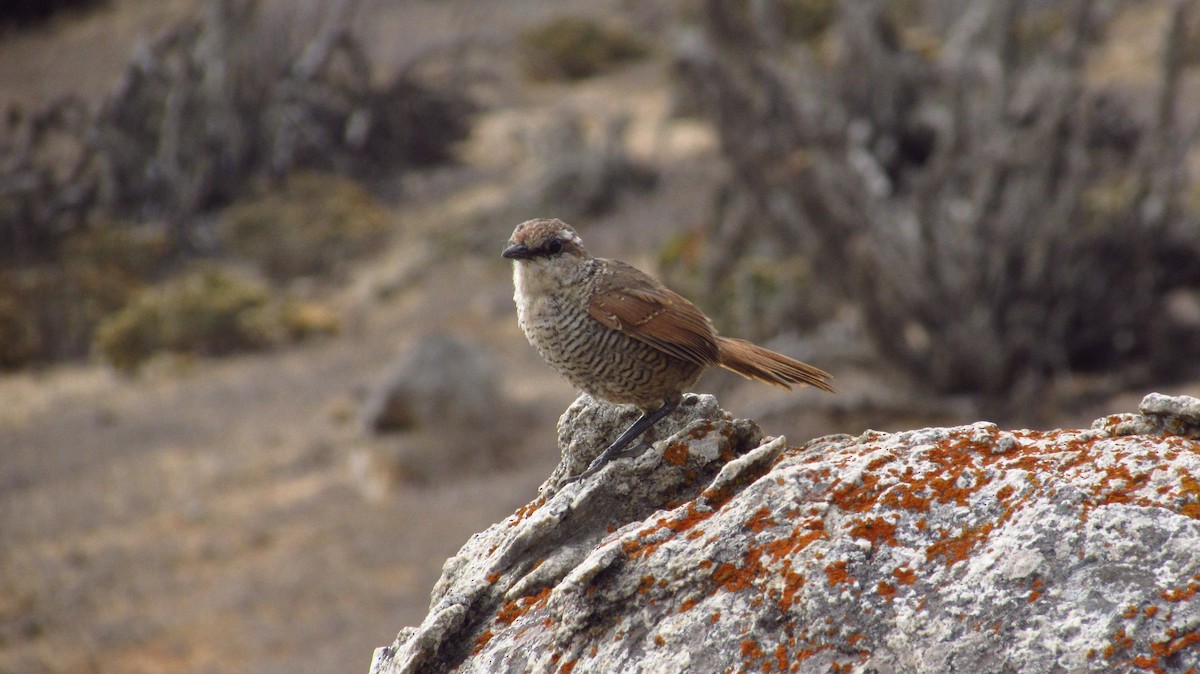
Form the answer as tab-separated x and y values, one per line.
781	658
1145	662
1120	642
676	454
906	497
837	573
526	510
792	584
646	584
898	508
1189	487
954	549
1180	594
664	528
760	520
1035	591
753	654
481	641
731	578
875	529
1165	649
857	497
518	607
803	534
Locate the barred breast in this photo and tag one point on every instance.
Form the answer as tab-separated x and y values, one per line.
599	360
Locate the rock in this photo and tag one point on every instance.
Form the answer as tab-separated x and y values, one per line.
427	412
968	549
441	380
1159	414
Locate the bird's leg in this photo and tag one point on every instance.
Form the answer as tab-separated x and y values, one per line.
640	426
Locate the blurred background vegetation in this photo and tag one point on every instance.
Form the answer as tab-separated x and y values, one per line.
998	210
220	220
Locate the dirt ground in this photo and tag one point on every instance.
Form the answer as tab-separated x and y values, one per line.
215	516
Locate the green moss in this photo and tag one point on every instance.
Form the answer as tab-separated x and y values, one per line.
574	48
48	311
209	311
313	226
305	318
805	20
1109	198
19	337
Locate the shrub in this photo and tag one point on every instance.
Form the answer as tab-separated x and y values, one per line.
998	217
29	12
807	19
215	104
574	48
208	311
311	226
48	311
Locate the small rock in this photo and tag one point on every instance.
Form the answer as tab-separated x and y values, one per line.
1178	415
440	381
424	420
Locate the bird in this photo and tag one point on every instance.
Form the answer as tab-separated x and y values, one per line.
618	334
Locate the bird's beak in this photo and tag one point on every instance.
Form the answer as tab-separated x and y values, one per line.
517	251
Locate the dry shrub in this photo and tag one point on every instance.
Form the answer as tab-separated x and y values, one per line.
998	218
254	91
48	180
759	294
245	92
575	48
208	311
31	12
48	311
806	19
312	226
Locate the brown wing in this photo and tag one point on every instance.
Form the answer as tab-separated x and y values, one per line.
642	308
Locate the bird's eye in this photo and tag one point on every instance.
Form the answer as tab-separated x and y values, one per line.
554	247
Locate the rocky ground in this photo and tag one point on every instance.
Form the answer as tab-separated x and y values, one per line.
228	516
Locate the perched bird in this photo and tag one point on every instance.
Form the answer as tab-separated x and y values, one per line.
618	334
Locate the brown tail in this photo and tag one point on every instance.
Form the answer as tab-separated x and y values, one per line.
755	362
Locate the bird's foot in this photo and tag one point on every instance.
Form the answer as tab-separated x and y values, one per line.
603	459
639	427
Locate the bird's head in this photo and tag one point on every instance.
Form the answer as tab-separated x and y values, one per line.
544	240
547	255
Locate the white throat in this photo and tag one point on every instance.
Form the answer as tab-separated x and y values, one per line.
544	276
